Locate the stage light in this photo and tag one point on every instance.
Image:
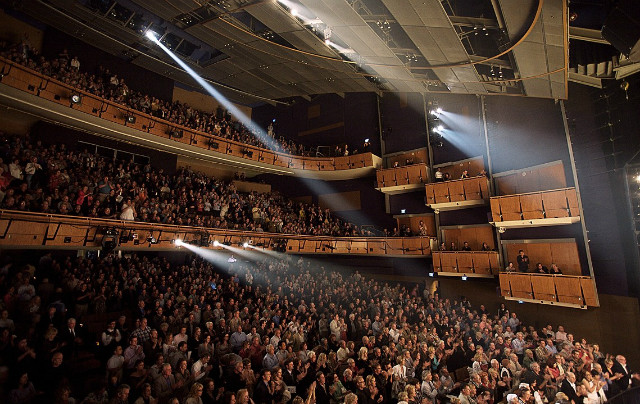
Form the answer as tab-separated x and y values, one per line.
638	178
430	274
245	244
151	35
76	99
131	119
294	12
440	128
464	277
439	110
366	140
403	211
216	243
177	242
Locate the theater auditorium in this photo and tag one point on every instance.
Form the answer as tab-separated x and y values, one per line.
319	201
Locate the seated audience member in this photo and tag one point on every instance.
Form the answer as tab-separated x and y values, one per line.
554	270
540	269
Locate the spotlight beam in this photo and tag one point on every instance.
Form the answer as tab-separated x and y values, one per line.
258	132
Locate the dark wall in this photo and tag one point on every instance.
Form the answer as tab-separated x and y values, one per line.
463	136
413	202
464	216
137	78
525	132
356	112
53	134
605	135
403	122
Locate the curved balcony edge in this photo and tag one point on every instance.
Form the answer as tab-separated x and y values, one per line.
30	230
35	94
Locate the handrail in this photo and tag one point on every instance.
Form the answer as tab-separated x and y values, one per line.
635	391
298	162
40	230
533	192
458	179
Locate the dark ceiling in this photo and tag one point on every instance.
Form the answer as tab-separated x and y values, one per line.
268	50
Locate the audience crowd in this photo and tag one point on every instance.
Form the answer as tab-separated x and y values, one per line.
105	84
53	179
271	332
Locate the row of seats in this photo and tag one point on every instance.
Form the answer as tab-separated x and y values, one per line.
579	290
413	174
20	77
536	205
37	229
466	262
467	189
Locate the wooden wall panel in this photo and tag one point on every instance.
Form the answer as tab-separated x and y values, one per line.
532	180
474	235
563	254
544	288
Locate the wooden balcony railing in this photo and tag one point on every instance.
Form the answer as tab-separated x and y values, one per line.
20	230
467	189
32	82
553	204
405	175
466	262
549	289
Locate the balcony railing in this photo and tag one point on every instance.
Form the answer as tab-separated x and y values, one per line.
34	83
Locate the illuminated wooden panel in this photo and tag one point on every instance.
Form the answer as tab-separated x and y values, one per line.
342	247
431	196
465	262
377	247
448	262
456	191
531	205
441	192
569	290
358	247
437	264
412	246
589	292
505	286
356	161
544	288
556	204
510	208
521	286
402	175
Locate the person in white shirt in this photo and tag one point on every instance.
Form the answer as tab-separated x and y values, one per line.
201	367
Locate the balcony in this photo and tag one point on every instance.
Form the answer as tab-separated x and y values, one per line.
400	180
458	194
558	290
29	91
479	264
534	209
20	230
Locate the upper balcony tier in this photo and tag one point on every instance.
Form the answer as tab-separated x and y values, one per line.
26	230
27	90
399	180
458	194
543	208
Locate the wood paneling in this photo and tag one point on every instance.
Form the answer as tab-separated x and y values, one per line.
532	180
563	254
